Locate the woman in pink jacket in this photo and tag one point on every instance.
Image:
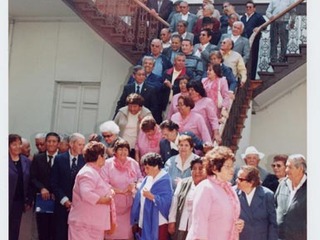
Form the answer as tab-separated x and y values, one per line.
216	207
122	172
217	89
92	205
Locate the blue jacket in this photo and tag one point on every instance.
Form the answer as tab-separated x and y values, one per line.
162	190
260	216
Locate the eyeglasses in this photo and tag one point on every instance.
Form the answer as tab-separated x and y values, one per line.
153	45
276	165
107	136
242	179
249	7
203	34
225	6
180	105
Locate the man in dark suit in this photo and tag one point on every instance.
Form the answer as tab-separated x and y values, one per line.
162	8
145	90
40	178
257	206
175	47
63	173
251	20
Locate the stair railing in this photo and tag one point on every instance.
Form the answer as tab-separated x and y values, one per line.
232	128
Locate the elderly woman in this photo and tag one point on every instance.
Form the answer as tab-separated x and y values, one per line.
178	166
129	117
149	137
91	210
122	172
20	197
183	81
150	210
169	143
216	207
216	87
279	169
205	107
110	133
257	206
181	206
190	121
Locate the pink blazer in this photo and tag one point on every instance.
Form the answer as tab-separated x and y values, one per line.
88	188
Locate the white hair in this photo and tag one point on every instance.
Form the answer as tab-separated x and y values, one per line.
40	135
110	126
298	160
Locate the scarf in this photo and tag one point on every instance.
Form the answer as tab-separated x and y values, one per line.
124	167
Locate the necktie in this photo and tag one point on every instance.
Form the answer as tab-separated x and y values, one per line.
138	89
73	168
50	160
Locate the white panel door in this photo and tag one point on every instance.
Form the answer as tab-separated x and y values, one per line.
76	107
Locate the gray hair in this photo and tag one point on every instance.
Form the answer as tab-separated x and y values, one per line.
40	135
76	136
298	160
209	7
239	23
109	126
148	58
64	137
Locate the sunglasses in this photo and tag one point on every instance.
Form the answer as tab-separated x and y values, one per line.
242	179
276	165
107	136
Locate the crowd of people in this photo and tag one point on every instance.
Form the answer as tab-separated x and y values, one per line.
157	170
180	188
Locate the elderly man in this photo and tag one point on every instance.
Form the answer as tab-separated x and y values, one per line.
279	29
40	140
175	47
171	87
291	200
227	9
182	30
25	148
183	15
252	157
252	20
144	89
165	37
204	48
63	174
233	60
162	63
241	44
193	63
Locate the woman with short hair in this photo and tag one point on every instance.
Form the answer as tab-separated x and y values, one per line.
216	207
150	210
92	202
123	173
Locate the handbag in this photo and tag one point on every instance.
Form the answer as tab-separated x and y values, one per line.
113	225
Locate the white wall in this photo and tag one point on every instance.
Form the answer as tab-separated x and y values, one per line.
43	53
281	127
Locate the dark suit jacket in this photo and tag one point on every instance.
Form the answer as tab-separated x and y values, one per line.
150	99
205	54
168	53
165	9
13	180
40	172
254	21
62	186
292	220
260	217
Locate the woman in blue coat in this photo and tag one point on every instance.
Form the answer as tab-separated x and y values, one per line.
257	206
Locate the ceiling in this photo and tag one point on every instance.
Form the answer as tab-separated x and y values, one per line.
33	9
